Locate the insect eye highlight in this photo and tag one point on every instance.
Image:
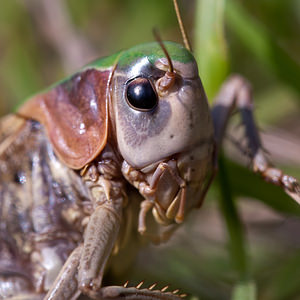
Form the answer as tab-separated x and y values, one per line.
141	95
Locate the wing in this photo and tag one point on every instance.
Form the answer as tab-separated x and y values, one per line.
75	115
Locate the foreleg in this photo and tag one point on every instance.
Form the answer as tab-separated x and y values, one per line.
66	287
99	239
83	270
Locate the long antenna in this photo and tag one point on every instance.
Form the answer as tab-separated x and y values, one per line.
183	32
159	40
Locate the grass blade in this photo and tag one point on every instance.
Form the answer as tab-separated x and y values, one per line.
210	45
262	44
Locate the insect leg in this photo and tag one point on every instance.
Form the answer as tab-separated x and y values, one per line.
66	286
99	238
137	293
236	93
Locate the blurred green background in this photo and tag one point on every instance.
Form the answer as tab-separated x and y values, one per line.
212	256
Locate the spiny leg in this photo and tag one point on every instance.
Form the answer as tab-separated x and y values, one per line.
66	287
83	270
138	293
236	93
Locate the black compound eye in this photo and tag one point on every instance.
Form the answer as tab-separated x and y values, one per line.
141	95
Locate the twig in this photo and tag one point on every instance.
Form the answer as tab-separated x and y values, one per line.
54	23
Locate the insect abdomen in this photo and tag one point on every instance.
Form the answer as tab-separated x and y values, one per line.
40	198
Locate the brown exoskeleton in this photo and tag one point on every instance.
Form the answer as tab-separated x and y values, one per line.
138	119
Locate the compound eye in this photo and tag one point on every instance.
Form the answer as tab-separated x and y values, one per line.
140	94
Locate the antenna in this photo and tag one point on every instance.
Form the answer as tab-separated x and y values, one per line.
183	32
159	40
167	81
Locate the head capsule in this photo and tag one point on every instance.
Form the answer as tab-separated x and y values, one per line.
154	117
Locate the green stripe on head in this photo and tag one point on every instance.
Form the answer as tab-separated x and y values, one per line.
153	52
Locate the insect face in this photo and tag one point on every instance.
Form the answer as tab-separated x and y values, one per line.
151	124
